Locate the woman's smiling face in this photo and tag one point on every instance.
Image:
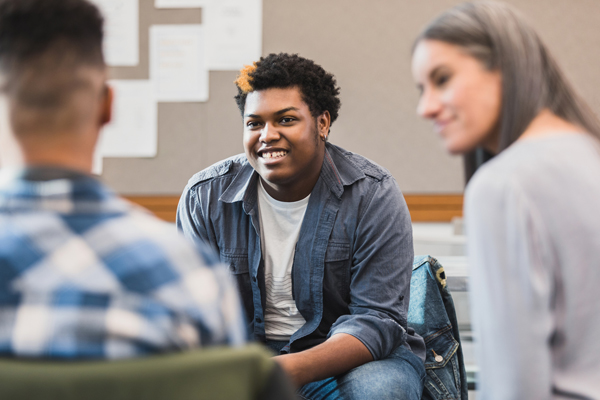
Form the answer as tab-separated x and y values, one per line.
459	94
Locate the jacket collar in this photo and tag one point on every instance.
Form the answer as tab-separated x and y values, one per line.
243	187
337	171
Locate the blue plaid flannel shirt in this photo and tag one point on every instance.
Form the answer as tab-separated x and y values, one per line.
86	274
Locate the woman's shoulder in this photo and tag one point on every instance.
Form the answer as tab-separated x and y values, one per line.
536	167
502	172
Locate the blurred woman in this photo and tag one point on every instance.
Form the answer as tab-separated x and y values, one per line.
533	211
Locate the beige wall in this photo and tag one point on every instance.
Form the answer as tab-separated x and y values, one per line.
366	44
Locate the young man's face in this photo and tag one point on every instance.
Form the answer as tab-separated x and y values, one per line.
283	142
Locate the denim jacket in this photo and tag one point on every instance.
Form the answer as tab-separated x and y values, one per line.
352	263
432	316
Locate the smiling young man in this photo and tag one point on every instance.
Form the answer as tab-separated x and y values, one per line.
319	239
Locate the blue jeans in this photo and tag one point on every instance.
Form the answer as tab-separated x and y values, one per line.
398	376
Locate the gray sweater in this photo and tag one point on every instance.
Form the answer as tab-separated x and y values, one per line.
533	228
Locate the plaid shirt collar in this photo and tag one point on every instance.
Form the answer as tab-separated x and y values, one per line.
56	189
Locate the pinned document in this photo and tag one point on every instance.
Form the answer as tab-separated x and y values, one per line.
178	67
234	32
180	3
132	132
98	161
121	38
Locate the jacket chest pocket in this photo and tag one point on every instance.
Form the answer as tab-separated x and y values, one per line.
441	363
237	261
337	269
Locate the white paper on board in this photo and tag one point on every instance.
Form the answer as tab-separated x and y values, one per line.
97	162
178	67
180	3
132	131
121	36
234	33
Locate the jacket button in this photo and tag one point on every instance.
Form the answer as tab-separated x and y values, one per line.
258	320
438	358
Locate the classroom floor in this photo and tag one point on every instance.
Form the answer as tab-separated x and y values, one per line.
445	242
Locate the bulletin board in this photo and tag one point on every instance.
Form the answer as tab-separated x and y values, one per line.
366	45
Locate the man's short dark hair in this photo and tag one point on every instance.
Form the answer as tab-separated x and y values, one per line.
44	44
318	87
28	28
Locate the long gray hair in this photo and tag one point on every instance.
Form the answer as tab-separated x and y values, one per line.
503	40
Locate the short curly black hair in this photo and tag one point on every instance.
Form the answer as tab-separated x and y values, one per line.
318	87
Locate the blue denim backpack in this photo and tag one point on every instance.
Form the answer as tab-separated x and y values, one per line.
431	314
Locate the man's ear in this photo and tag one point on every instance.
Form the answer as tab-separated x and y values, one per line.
323	124
106	105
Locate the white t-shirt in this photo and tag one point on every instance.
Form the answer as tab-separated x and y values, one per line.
280	228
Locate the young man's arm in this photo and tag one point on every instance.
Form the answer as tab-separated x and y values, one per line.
339	354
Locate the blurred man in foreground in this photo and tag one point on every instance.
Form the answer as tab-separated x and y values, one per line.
83	273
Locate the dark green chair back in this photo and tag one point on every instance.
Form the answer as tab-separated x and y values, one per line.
217	373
